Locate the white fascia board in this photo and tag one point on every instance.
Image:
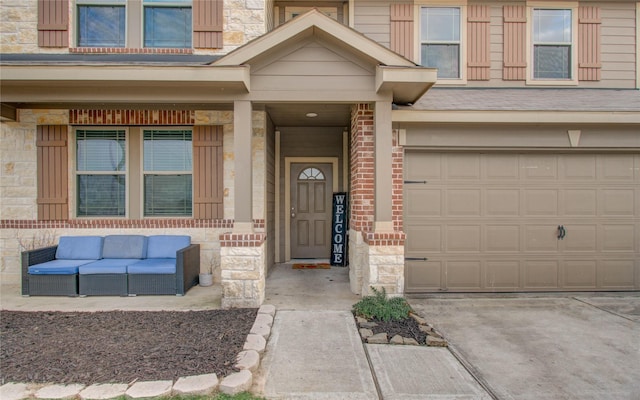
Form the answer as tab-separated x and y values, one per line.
517	117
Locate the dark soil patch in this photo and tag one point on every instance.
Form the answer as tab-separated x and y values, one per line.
407	328
120	346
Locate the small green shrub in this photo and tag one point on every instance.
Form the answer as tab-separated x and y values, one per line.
379	306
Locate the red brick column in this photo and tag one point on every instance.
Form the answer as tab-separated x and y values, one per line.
362	168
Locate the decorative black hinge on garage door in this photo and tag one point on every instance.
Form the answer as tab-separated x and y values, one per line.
416	259
410	182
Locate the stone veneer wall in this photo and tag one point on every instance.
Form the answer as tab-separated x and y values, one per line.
20	229
244	20
243	269
375	258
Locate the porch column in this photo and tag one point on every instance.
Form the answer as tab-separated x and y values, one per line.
242	251
383	221
242	181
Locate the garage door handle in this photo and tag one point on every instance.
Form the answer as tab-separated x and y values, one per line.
561	232
415	258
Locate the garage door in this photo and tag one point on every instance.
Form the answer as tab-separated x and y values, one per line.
521	222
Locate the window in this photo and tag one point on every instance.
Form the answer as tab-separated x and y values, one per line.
101	172
101	23
168	160
311	174
440	44
162	23
167	23
552	43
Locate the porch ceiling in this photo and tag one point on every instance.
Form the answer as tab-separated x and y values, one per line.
295	114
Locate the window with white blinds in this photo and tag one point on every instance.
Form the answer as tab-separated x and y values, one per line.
101	172
168	166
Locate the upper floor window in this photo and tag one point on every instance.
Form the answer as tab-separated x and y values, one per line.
101	23
552	43
165	23
440	45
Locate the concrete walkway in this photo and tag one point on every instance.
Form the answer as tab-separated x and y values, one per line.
315	351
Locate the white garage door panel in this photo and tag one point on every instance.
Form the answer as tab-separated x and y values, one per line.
489	222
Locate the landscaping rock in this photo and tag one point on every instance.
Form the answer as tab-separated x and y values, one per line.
248	359
59	391
237	383
14	391
397	339
411	342
368	325
145	390
366	333
380	338
196	385
418	319
435	341
267	309
103	391
426	329
255	342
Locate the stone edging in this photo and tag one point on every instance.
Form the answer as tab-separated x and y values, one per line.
433	337
248	362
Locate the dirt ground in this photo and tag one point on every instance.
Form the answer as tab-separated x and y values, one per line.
119	346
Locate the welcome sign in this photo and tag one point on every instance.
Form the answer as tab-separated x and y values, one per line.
339	230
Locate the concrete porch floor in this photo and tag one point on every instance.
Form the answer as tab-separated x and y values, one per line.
286	288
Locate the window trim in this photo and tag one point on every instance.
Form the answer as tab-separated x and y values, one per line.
560	5
462	5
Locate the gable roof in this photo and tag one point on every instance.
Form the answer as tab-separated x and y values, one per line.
404	79
313	22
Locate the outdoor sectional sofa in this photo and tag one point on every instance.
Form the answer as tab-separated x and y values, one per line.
114	265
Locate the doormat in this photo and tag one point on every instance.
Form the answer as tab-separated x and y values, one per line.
312	266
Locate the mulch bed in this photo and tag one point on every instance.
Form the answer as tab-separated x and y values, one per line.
120	346
407	328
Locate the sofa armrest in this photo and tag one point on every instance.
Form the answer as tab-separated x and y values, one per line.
187	268
34	257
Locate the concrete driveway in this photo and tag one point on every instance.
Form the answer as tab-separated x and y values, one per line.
537	347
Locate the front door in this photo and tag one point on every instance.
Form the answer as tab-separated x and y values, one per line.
310	210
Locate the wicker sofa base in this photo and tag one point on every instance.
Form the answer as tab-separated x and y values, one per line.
53	285
149	284
103	285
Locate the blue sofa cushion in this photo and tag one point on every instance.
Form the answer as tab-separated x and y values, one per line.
107	266
124	246
79	248
153	266
57	267
165	246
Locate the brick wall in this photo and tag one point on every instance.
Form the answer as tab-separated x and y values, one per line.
362	168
